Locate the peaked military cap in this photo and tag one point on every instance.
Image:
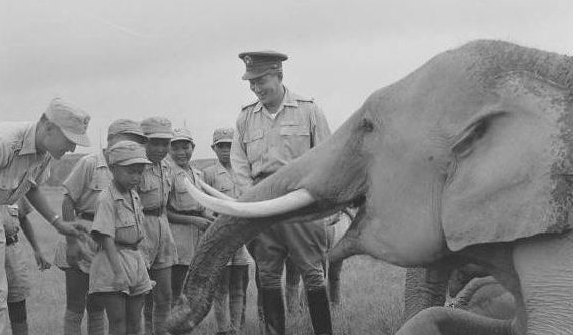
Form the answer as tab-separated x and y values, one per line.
259	63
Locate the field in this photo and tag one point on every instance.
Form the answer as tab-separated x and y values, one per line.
371	295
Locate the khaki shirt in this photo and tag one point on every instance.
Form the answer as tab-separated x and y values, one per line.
223	180
180	199
118	216
262	144
21	167
89	177
156	185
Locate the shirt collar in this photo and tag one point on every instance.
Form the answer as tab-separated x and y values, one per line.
29	140
115	193
221	169
288	100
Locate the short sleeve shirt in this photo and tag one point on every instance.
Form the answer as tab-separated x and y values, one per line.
180	199
21	166
89	177
155	185
118	216
262	144
221	179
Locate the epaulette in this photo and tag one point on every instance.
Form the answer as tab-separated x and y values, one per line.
252	103
301	98
16	146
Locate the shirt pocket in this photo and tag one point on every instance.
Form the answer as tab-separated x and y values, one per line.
126	227
296	138
149	191
183	201
254	143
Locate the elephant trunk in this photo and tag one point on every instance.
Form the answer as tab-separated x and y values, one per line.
219	243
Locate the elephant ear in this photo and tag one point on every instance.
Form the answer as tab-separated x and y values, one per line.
511	175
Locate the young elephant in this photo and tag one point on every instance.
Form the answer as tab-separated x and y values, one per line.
470	157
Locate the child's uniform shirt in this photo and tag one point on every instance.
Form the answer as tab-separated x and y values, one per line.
180	201
121	218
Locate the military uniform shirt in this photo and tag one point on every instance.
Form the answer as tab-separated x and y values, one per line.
222	180
262	144
89	177
155	185
21	166
180	199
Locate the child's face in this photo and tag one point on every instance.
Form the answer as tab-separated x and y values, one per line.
181	152
128	176
157	149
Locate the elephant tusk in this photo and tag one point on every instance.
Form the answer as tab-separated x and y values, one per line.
284	204
214	192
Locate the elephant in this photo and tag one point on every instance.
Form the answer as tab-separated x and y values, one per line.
469	157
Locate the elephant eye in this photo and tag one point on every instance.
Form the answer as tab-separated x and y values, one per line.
367	125
474	133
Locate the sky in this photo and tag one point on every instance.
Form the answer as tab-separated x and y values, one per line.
178	58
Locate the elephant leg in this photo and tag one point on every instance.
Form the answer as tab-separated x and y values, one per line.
447	321
424	288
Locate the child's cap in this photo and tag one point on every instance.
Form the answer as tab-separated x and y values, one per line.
127	153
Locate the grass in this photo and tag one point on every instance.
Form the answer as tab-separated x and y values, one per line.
371	291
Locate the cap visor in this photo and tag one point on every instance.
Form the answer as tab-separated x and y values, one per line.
160	135
79	139
134	161
223	141
140	133
180	138
254	75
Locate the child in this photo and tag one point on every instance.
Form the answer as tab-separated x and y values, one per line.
231	295
186	216
118	274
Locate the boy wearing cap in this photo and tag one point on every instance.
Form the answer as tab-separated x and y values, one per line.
272	131
89	177
26	149
118	273
231	295
186	216
18	270
158	247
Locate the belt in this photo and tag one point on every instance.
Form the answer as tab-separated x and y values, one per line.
11	239
87	216
189	213
127	245
153	211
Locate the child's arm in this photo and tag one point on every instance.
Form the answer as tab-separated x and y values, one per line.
108	244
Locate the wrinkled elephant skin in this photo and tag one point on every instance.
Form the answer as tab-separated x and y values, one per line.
470	155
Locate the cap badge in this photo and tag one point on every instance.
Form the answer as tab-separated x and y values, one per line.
248	60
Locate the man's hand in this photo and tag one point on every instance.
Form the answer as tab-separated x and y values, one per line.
43	263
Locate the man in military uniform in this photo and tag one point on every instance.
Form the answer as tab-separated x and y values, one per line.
272	131
26	149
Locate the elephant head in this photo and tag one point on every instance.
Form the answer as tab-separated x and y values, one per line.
473	147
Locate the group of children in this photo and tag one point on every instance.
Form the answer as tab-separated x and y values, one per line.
144	228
